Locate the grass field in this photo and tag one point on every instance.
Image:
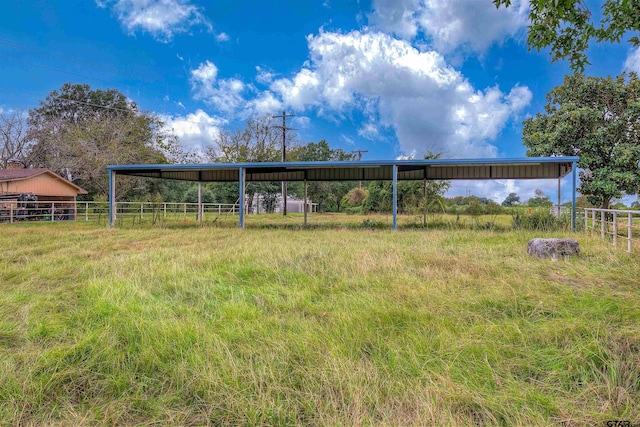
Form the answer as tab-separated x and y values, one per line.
185	325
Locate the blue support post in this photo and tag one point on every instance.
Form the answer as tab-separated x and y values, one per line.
394	203
574	172
241	198
112	197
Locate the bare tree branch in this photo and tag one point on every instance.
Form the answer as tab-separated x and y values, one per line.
15	143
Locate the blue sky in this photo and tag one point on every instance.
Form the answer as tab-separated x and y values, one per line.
395	77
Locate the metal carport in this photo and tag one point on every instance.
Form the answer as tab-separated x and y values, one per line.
393	170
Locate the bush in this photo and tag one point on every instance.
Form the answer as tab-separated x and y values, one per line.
539	220
191	196
355	210
367	223
354	199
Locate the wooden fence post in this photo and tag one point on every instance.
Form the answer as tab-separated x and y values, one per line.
629	232
615	229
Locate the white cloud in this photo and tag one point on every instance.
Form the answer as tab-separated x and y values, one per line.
232	97
301	122
223	94
264	76
161	18
222	37
196	130
265	103
429	105
449	24
633	61
227	97
205	74
396	16
369	131
407	156
347	140
303	90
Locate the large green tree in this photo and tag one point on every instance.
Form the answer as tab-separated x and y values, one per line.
539	200
597	119
77	131
511	200
567	26
326	194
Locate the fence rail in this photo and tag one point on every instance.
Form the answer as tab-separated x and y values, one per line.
614	225
16	211
13	211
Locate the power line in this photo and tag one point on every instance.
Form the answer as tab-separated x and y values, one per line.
12	44
284	128
360	152
47	67
15	45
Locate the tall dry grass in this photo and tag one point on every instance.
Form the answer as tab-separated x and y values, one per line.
328	326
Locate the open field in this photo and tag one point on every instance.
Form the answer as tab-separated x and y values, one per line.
318	221
185	325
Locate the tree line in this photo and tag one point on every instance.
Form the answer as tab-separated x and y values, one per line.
77	131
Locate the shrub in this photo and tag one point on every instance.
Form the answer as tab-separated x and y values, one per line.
367	223
354	199
540	220
354	210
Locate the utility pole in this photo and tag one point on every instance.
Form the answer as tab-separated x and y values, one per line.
359	152
284	153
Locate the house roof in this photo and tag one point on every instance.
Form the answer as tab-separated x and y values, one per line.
14	174
22	174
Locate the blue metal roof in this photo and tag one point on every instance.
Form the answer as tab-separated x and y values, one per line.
367	170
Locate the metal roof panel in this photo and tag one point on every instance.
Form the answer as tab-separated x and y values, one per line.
446	169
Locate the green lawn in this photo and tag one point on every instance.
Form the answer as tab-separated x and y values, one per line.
185	325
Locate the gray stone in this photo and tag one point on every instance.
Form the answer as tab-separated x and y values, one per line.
552	248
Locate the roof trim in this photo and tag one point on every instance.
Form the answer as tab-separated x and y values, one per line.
362	163
441	169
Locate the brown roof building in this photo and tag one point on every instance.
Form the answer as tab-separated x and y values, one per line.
44	183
